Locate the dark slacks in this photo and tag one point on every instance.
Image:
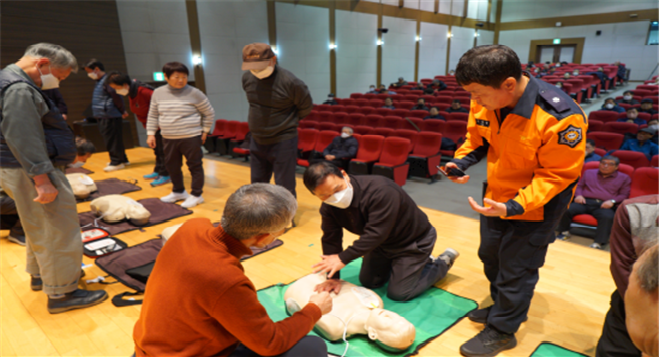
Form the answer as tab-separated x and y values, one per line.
308	346
111	130
318	157
9	218
190	148
279	158
604	217
615	341
159	151
409	272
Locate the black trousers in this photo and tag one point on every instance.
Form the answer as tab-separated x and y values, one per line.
318	157
604	218
159	151
308	346
111	130
279	158
9	218
409	272
615	341
190	148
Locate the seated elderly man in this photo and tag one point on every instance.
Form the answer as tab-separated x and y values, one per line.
456	107
597	194
646	106
632	117
199	302
611	105
342	149
627	98
642	143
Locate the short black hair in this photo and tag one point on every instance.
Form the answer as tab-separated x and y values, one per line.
611	158
93	64
632	108
171	67
488	65
609	98
590	141
456	101
318	172
627	91
117	78
84	146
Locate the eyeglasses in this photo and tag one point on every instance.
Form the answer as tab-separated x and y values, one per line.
608	164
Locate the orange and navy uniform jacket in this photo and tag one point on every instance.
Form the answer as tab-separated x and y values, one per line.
534	153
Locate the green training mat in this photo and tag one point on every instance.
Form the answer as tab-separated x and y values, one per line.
431	313
548	349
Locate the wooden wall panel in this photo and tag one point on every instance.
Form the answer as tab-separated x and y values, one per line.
89	29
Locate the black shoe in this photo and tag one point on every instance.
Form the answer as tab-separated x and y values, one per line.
77	299
36	284
488	343
480	315
18	239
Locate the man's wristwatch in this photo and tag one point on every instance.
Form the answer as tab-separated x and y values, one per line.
613	201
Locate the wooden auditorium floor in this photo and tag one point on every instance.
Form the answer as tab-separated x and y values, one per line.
568	308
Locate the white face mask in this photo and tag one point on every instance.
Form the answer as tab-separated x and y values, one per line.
48	81
122	91
341	199
264	73
609	106
627	97
559	86
372	89
654	127
345	135
575	73
92	75
557	65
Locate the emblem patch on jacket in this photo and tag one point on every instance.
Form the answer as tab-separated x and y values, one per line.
571	136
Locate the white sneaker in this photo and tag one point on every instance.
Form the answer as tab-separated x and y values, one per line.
192	201
173	197
111	168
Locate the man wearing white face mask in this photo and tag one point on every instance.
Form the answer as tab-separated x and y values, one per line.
277	101
395	236
627	98
610	104
108	108
341	150
36	144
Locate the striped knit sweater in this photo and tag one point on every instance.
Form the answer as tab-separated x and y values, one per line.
179	113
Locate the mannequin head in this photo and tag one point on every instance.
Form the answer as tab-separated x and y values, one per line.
390	330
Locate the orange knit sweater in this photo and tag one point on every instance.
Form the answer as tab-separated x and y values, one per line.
198	301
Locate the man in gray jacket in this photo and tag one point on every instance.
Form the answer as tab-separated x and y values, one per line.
277	101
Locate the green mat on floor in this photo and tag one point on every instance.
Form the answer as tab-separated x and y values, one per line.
548	349
432	313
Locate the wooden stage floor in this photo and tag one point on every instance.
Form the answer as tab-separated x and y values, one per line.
568	308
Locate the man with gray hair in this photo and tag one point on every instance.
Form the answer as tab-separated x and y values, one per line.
36	144
340	151
641	302
199	302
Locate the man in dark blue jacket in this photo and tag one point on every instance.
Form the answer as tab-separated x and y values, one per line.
342	149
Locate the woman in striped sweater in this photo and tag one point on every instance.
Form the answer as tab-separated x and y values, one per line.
184	116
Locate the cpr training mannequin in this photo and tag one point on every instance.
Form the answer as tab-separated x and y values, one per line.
169	231
114	208
82	185
360	308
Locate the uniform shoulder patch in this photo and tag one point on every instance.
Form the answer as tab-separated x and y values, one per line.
571	136
555	100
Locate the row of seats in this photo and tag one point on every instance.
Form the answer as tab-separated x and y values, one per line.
631	158
389	156
607	116
614	127
377	117
226	137
403	103
379	111
454	130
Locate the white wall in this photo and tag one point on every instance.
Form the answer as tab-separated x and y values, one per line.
356	53
399	48
154	33
485	38
427	5
412	4
226	27
303	45
432	50
517	10
477	10
461	42
623	42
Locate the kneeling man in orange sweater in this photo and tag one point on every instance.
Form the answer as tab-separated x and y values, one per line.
198	301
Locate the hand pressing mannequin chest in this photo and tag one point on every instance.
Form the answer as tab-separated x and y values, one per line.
82	185
358	308
115	208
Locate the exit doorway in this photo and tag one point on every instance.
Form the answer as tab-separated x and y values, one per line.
555	53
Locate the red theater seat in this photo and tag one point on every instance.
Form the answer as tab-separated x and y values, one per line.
324	138
604	116
370	148
411	135
645	182
607	141
632	158
392	163
620	128
426	156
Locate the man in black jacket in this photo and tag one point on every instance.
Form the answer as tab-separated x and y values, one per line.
343	148
456	107
277	101
395	236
